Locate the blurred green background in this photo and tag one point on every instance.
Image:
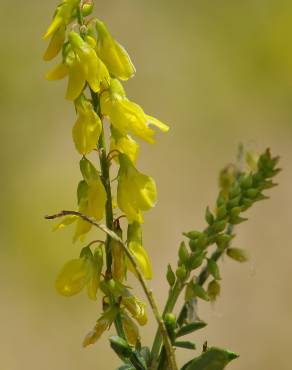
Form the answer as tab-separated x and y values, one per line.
218	73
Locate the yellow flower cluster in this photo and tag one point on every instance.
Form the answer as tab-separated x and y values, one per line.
95	63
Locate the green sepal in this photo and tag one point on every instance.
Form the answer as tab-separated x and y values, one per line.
170	276
221	212
214	269
222	240
213	290
190	328
183	253
193	234
209	216
219	226
86	252
120	346
195	260
181	272
194	290
237	254
185	344
82	191
212	359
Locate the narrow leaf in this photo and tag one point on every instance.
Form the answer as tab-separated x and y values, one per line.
190	328
185	344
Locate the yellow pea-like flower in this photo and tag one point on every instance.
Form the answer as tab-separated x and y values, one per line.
136	309
127	116
130	328
136	191
86	67
119	267
62	17
113	54
124	144
102	324
87	128
56	44
74	276
93	336
58	72
136	247
91	198
93	283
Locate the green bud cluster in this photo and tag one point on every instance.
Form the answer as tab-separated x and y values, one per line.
238	192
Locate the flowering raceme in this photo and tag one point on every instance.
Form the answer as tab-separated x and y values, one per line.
94	63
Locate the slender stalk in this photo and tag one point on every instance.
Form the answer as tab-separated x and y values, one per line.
169	306
148	292
105	177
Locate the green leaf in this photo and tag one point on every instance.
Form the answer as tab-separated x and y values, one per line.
213	359
185	344
190	328
126	367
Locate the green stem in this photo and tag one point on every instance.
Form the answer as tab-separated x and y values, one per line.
105	176
169	306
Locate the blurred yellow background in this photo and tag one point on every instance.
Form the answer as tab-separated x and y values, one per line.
218	73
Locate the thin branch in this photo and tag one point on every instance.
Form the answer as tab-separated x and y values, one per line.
148	292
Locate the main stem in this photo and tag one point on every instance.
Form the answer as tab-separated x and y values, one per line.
105	176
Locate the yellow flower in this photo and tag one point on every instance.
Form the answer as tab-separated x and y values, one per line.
135	245
62	17
136	191
130	328
136	309
74	276
119	267
93	336
102	324
87	128
80	273
82	65
124	144
127	116
113	54
93	284
86	67
91	198
56	44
